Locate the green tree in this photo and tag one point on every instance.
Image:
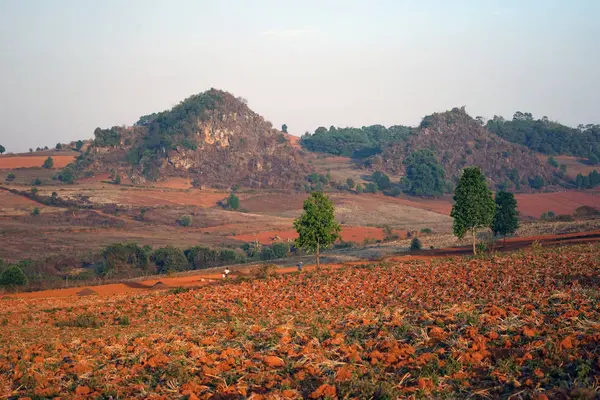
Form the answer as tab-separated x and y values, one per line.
415	244
67	175
13	276
35	211
371	187
424	174
10	177
593	159
58	146
117	179
381	179
123	257
233	201
36	182
536	182
506	219
169	259
350	183
2	149
552	161
317	228
185	220
79	145
284	128
280	249
359	189
49	163
474	207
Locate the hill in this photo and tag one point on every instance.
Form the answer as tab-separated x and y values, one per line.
457	141
212	138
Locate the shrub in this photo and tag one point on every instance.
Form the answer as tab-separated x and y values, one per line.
10	177
48	163
123	320
117	180
67	175
548	216
586	211
415	244
227	257
426	230
35	211
185	220
371	187
267	253
233	201
121	257
280	249
552	161
169	259
381	179
536	183
201	257
359	188
388	233
266	271
13	276
36	182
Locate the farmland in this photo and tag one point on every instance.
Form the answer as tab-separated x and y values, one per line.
521	324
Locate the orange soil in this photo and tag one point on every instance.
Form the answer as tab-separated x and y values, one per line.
168	198
10	200
349	233
12	162
533	205
175	183
294	140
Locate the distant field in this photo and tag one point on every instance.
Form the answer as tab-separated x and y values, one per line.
25	161
574	166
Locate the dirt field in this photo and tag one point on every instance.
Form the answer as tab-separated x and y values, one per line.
19	161
533	205
574	165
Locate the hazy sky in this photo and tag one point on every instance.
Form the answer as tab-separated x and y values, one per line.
67	67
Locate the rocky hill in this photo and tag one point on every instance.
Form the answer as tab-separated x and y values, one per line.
458	141
212	138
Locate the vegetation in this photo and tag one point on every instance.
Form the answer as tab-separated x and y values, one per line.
202	257
593	159
67	175
185	220
424	174
506	219
547	137
317	228
122	258
233	202
354	142
10	177
552	161
381	180
35	212
590	181
537	182
12	277
79	145
371	187
169	259
36	182
284	128
2	149
474	207
59	146
415	244
48	163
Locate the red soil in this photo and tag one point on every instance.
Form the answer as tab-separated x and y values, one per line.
170	198
533	205
294	140
13	162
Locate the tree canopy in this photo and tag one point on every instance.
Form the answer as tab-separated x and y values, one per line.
2	149
13	276
354	142
317	228
424	174
474	207
506	219
545	136
48	163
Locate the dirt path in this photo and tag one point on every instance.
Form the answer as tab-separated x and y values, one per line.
201	279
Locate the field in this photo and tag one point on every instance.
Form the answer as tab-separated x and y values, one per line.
26	161
523	325
574	165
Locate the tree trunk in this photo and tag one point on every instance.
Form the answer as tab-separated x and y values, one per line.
474	248
318	256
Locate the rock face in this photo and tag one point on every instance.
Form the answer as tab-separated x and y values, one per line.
212	138
459	141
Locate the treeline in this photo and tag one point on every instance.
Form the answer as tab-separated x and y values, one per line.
128	260
547	137
588	181
354	142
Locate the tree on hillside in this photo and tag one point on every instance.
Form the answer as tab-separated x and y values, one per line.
381	179
593	159
58	146
506	219
350	183
284	128
233	201
13	276
49	163
317	228
424	174
79	145
552	161
474	207
2	149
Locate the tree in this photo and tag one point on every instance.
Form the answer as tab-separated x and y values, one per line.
350	183
233	201
13	276
49	163
284	128
79	145
552	161
593	159
371	187
474	207
359	189
35	212
506	219
185	220
280	249
317	228
117	179
424	174
123	257
10	177
58	146
415	244
2	149
381	179
169	259
67	175
537	182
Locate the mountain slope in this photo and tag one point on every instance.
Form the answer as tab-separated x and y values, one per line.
459	141
212	138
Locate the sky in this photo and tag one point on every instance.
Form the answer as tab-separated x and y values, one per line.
69	66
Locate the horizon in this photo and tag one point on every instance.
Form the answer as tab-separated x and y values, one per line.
69	67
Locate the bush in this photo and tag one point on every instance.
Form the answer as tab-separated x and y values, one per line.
120	257
67	175
13	276
426	230
201	257
36	182
548	216
185	220
35	211
536	183
10	177
586	211
86	320
552	161
169	259
117	180
280	249
381	179
359	189
267	253
371	187
415	244
48	163
233	201
593	159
